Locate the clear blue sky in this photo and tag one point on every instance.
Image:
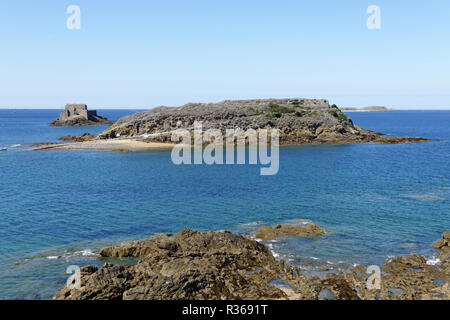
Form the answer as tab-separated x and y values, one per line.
148	53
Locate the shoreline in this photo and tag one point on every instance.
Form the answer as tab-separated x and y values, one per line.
133	144
224	265
119	145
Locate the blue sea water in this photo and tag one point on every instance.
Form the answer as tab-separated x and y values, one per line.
375	201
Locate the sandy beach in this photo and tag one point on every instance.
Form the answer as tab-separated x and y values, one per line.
107	144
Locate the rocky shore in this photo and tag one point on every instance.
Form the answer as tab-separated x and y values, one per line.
299	121
222	265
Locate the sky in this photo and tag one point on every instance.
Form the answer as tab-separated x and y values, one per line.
142	54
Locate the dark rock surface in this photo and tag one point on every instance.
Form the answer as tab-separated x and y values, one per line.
79	115
189	265
221	265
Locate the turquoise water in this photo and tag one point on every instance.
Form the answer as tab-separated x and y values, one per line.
375	200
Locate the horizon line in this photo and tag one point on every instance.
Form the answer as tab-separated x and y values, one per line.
149	108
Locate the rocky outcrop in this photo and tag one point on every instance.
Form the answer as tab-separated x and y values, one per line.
189	265
81	138
299	121
443	245
222	265
79	115
272	233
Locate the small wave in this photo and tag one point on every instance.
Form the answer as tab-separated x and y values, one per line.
298	221
424	196
85	253
15	145
275	255
61	254
433	261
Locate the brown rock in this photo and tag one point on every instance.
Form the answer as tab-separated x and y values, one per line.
272	233
81	138
190	265
443	245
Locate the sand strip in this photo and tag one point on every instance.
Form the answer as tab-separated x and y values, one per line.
109	144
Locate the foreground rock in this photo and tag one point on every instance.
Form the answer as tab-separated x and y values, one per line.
272	233
221	265
190	265
79	115
443	245
299	121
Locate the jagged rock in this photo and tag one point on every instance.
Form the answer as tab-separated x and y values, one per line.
443	245
79	115
272	233
83	137
190	265
221	265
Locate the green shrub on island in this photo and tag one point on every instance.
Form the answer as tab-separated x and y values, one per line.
339	115
276	111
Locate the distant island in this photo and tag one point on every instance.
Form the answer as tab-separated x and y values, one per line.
79	115
299	121
368	109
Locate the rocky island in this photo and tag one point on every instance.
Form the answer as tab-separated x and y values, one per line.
222	265
299	121
79	115
368	109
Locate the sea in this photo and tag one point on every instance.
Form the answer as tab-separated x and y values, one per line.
375	201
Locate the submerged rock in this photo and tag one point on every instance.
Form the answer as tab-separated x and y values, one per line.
272	233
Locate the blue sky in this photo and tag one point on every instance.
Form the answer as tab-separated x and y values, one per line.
140	54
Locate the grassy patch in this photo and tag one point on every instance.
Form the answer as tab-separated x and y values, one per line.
339	115
298	103
276	111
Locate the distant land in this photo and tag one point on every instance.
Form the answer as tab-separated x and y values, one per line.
368	109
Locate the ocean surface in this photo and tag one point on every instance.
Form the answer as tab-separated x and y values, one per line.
375	201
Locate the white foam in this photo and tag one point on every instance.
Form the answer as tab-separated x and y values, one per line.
86	252
52	257
433	261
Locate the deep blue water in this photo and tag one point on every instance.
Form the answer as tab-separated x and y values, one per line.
375	200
